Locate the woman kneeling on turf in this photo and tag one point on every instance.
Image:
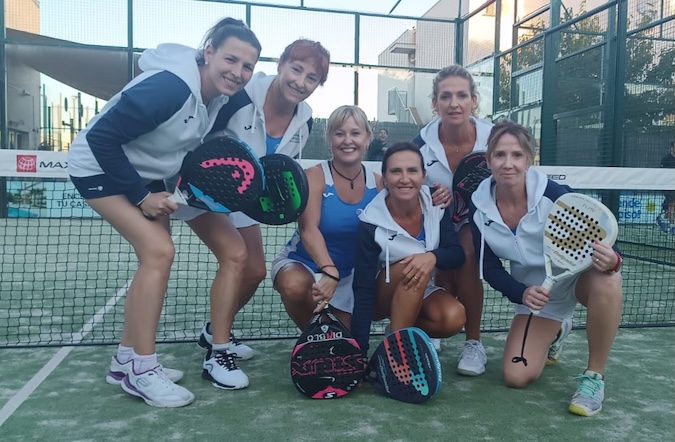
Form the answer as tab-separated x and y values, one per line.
402	238
324	242
508	219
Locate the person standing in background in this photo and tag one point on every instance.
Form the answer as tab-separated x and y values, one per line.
669	160
378	146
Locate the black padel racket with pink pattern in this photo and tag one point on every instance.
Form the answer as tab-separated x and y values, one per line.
326	362
221	175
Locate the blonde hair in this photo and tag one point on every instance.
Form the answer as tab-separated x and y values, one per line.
454	70
520	132
341	114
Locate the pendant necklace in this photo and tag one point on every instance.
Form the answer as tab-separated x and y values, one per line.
351	180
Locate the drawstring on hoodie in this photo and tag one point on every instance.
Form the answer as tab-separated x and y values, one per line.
254	114
301	145
482	246
386	260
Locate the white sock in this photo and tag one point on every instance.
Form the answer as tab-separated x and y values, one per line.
221	347
594	374
143	363
124	354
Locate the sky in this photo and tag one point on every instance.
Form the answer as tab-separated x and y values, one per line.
186	21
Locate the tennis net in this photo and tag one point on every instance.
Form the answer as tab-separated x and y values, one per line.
64	271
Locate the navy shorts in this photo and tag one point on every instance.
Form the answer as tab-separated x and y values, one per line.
99	186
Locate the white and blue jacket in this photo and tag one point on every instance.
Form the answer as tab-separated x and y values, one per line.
243	118
524	248
381	241
435	160
143	133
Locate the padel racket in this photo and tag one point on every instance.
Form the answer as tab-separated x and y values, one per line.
574	222
285	194
472	169
405	367
326	362
221	175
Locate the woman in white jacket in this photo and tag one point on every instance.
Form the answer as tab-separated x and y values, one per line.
508	216
401	239
271	116
119	163
443	143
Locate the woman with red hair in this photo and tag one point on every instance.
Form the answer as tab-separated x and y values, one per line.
271	116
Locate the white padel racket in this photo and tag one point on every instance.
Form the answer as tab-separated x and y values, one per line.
574	222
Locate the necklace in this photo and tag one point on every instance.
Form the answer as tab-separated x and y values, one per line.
351	180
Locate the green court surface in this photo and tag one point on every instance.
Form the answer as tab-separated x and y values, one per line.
63	281
74	403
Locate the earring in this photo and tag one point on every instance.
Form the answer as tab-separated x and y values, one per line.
206	63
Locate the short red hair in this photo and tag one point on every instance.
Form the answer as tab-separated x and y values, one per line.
304	49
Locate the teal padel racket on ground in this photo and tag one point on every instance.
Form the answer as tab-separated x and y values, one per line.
405	367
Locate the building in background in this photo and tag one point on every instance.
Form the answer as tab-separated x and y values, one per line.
23	83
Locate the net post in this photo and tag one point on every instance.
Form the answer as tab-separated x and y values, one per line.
3	197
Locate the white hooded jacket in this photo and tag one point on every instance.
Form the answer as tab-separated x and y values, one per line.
436	162
524	249
382	241
243	118
144	132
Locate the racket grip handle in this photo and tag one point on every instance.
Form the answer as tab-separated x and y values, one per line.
548	285
535	312
178	198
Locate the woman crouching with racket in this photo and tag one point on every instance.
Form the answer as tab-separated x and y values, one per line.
324	243
402	238
508	218
119	164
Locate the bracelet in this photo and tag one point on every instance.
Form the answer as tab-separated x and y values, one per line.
334	278
144	198
327	265
619	261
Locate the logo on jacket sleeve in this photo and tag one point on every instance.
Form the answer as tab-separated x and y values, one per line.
488	222
431	163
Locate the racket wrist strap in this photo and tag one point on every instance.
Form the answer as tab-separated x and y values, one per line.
619	261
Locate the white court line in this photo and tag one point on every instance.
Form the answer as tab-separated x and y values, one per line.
23	394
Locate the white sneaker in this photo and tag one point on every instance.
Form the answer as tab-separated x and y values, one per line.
220	367
437	343
473	359
156	389
241	350
118	371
